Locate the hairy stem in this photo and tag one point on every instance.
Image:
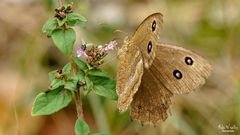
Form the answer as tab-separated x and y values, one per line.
77	93
78	103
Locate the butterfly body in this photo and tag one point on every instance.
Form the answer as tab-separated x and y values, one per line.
149	73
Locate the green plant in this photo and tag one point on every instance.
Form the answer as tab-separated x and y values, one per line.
79	76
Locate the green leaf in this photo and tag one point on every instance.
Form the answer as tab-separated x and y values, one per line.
81	76
108	93
67	68
97	72
80	63
64	40
89	84
57	82
52	75
104	86
61	22
74	18
103	81
47	103
81	127
71	84
49	26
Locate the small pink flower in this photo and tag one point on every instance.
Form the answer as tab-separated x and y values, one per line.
89	58
111	45
81	52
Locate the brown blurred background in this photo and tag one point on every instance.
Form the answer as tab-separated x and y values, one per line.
209	27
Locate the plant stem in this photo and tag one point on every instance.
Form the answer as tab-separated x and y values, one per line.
59	3
78	103
65	26
77	93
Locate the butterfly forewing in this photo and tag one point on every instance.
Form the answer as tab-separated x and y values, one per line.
135	54
146	37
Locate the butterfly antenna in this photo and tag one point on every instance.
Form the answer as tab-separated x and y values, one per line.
121	32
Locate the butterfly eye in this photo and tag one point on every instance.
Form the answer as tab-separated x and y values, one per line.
177	74
149	47
188	60
154	25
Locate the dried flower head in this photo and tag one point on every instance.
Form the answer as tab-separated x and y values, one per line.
62	11
95	55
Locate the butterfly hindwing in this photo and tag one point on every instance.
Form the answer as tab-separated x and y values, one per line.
152	101
161	81
180	70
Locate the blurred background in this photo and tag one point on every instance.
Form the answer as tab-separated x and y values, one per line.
209	27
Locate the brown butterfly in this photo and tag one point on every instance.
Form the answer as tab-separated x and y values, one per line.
149	73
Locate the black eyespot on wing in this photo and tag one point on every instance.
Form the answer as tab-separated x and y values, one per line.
149	47
177	74
139	107
188	60
154	24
